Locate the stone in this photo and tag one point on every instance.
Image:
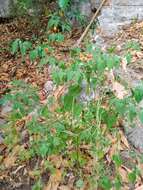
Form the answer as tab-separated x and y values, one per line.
135	137
2	121
5	8
7	108
49	87
117	14
8	8
1	138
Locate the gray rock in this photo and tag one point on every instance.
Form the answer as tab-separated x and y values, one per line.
86	95
49	87
117	14
135	137
5	8
7	108
2	121
1	138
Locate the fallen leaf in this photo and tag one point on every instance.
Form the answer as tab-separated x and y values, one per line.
139	188
11	158
123	173
124	64
124	139
64	187
119	90
54	181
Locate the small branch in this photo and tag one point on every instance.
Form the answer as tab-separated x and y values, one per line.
91	22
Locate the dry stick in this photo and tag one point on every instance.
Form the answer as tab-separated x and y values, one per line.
88	27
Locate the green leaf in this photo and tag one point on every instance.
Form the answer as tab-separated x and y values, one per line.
56	141
57	37
15	46
112	61
68	102
77	109
141	116
44	112
43	149
132	176
63	4
37	186
133	45
128	57
43	61
138	93
106	183
74	90
33	55
101	64
24	47
119	105
79	183
117	160
132	112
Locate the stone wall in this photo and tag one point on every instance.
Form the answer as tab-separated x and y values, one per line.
5	8
114	15
117	13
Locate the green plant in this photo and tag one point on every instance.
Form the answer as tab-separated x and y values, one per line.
78	121
133	45
23	47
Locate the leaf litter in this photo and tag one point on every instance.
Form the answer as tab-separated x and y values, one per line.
11	172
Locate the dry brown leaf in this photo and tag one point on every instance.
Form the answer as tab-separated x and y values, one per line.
124	64
59	92
64	187
57	161
109	76
124	139
119	90
111	152
11	158
124	174
140	166
139	188
54	181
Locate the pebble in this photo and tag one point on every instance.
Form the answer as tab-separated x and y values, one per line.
6	108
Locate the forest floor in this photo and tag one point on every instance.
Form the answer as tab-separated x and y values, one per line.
22	175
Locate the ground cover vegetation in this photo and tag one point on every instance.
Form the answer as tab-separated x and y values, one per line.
69	136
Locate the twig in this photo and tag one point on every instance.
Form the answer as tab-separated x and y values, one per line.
88	27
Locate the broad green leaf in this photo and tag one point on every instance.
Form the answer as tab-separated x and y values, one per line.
132	176
117	160
138	93
128	57
77	109
24	47
106	183
101	64
15	46
33	55
141	116
43	149
43	61
68	102
79	183
74	91
63	4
